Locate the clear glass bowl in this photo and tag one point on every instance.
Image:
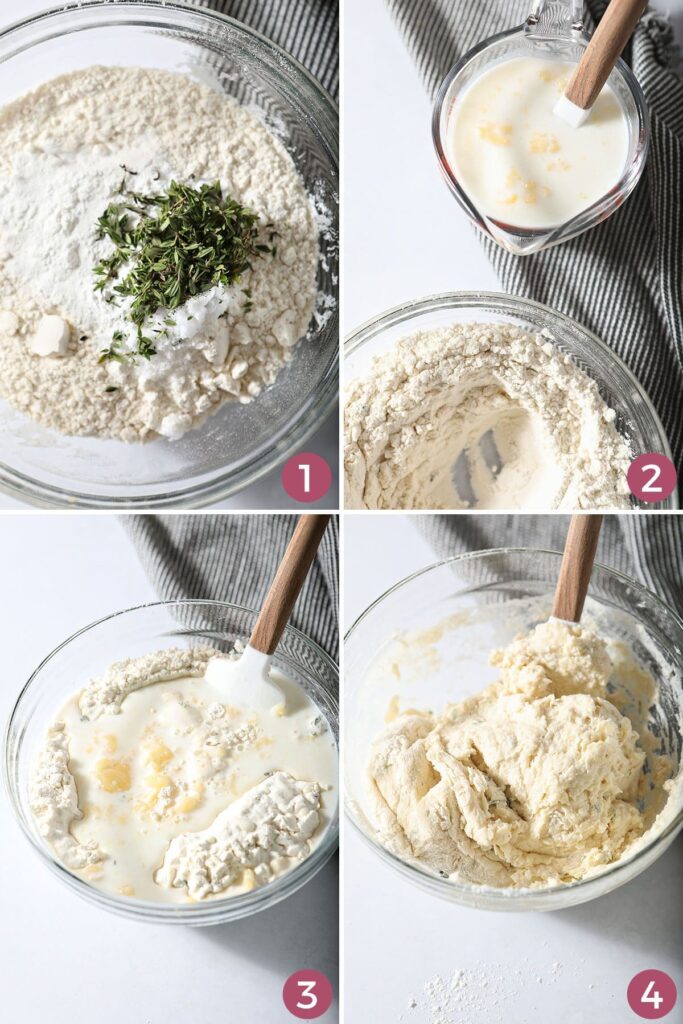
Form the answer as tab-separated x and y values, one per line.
552	30
495	594
239	443
131	633
636	419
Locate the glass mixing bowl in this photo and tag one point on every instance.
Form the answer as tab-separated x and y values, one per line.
552	30
447	618
239	443
131	633
636	418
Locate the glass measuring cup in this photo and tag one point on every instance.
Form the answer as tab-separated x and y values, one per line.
552	30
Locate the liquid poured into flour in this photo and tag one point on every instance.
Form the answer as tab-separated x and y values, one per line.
166	761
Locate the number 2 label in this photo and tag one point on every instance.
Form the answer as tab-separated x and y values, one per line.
649	486
651	477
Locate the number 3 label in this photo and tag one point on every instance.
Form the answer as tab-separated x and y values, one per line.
307	994
652	995
652	477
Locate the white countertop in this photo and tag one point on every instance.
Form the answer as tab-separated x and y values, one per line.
266	493
574	965
63	959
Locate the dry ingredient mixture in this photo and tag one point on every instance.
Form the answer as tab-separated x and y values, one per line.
538	780
149	785
522	164
158	253
481	415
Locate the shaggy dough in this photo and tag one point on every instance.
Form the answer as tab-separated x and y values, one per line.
534	781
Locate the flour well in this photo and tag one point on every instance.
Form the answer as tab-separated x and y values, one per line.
66	150
481	415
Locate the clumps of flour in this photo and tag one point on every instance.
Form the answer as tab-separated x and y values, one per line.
54	802
105	694
58	173
264	832
485	415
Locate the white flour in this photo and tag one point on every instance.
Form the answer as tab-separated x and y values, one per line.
58	173
265	831
54	801
481	415
105	694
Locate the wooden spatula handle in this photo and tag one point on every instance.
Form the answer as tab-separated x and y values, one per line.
289	579
608	42
577	566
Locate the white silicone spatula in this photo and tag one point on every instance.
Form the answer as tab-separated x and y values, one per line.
610	37
246	682
576	568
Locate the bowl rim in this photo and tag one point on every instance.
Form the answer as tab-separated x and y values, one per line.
220	484
512	305
213	911
598	210
496	898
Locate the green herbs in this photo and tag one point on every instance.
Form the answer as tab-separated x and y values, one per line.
170	247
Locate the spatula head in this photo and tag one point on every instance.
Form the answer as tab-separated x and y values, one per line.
245	682
570	113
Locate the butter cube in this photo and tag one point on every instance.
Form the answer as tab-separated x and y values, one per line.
51	338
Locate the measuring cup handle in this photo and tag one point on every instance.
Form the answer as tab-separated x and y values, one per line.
555	18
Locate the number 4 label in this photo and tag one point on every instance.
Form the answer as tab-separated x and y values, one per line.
652	995
307	994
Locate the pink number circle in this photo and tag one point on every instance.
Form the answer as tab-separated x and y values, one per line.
306	477
651	477
651	995
307	994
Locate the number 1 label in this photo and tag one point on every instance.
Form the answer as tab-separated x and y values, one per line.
306	477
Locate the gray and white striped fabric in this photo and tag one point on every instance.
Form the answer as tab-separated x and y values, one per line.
308	29
648	548
624	279
234	558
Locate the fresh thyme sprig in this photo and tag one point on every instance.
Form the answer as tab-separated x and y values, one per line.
172	246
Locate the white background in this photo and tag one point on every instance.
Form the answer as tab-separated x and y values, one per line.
397	937
63	960
266	493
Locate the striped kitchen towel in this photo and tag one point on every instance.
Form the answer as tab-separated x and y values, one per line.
646	547
234	558
308	29
623	279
